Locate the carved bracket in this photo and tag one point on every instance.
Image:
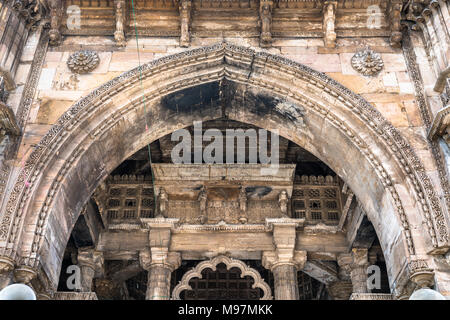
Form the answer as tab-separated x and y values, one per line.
120	13
394	10
230	263
265	22
185	22
329	19
55	22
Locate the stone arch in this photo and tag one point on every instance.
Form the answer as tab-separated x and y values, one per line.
230	263
104	128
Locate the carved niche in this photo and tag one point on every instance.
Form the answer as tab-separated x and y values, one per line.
83	61
229	263
367	62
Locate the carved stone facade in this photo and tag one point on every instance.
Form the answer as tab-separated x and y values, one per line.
353	94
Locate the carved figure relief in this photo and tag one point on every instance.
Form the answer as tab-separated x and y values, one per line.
163	203
185	21
243	205
283	200
329	17
119	34
203	199
367	62
265	13
83	61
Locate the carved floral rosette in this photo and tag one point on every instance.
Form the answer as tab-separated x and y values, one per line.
230	263
83	61
367	62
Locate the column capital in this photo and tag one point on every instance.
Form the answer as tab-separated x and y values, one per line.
24	274
6	264
159	256
89	257
273	259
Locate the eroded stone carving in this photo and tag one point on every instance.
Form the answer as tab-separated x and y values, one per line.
329	18
31	10
55	22
243	205
83	61
230	263
185	22
203	199
367	62
163	200
120	11
265	16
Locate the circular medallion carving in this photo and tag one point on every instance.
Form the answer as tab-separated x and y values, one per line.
83	61
367	62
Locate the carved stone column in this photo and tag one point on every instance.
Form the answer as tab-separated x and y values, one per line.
157	260
342	288
91	265
160	263
285	261
6	271
284	271
358	270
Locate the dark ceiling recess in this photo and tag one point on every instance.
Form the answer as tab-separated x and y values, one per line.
289	152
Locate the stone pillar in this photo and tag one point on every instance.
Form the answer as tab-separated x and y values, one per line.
6	272
91	265
285	261
160	263
158	260
358	270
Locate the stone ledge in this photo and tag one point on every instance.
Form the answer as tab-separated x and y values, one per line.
371	296
75	296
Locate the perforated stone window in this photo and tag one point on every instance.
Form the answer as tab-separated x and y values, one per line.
317	199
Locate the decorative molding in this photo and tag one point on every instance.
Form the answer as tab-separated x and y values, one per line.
83	61
367	62
230	263
441	125
414	73
31	10
371	296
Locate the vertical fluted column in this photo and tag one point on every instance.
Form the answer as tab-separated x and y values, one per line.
358	270
160	264
285	280
91	264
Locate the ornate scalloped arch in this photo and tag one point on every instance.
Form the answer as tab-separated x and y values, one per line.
88	121
230	263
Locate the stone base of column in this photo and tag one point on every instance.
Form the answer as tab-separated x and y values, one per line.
371	296
75	296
